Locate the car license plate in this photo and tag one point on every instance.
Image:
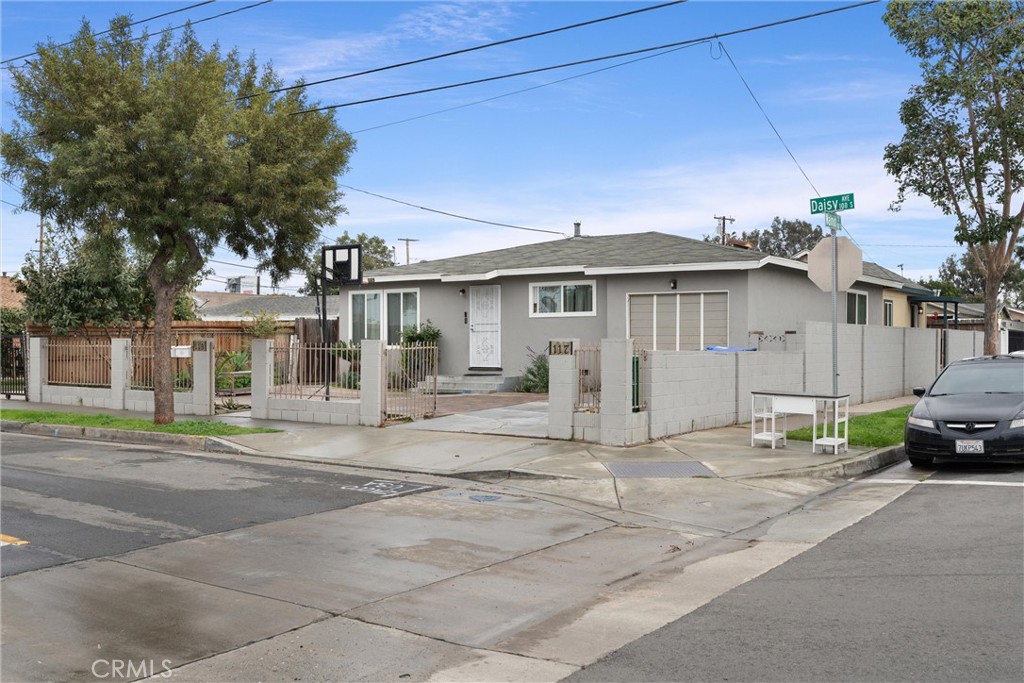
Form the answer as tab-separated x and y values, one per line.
970	446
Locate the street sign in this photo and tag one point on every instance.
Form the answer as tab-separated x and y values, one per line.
833	220
849	265
837	202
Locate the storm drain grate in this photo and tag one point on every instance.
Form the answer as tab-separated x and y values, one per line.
658	470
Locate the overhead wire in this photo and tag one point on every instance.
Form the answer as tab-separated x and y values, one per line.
463	51
100	33
523	90
590	60
453	215
188	23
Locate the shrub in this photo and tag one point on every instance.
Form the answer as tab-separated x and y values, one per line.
261	324
535	376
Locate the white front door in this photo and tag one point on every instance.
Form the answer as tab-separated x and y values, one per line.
485	326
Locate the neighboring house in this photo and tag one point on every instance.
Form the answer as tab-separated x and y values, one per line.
897	308
242	306
666	291
971	316
9	297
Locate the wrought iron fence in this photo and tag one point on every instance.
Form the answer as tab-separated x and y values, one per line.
78	362
411	390
316	372
143	368
588	375
640	377
13	365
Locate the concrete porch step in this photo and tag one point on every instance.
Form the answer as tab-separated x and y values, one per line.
466	384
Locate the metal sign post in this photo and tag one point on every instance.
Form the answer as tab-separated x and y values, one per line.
340	264
830	206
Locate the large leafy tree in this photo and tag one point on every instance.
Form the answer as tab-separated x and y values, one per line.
89	282
784	237
376	254
963	145
175	149
963	277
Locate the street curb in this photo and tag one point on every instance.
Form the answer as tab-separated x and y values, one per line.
869	462
200	443
866	463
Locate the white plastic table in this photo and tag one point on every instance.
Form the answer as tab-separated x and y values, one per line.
767	407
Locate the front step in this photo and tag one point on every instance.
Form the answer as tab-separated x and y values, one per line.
465	384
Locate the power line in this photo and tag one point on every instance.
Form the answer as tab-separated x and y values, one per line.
189	23
454	215
523	90
591	60
468	49
768	119
100	33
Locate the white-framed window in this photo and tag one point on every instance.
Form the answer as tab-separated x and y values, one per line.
563	299
374	313
888	312
856	307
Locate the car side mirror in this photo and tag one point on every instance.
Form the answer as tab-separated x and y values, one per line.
919	391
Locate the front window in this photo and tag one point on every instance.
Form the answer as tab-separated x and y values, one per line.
403	312
888	312
562	299
370	309
856	308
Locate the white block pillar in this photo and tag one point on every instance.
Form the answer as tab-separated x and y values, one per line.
262	374
120	377
563	390
203	384
38	362
371	383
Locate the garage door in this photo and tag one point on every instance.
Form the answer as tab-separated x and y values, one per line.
684	321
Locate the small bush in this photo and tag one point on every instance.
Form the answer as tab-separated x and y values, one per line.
535	376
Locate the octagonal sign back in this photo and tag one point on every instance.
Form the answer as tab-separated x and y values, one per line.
849	264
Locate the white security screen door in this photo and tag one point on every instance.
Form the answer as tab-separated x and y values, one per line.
485	326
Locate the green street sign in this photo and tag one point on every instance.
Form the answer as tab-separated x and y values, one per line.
838	202
833	220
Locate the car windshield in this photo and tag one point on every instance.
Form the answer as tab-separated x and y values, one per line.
980	378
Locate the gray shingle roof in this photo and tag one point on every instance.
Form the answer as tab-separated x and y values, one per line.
606	251
286	306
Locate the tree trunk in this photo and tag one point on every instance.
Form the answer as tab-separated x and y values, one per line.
163	381
992	314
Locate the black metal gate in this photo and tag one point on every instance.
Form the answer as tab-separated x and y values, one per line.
13	365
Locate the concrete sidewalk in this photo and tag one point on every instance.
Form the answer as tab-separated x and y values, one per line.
508	442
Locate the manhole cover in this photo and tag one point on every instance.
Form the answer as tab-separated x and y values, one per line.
658	470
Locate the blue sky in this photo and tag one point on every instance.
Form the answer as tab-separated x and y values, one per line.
663	144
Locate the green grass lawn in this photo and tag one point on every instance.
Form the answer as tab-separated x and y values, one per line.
871	431
135	424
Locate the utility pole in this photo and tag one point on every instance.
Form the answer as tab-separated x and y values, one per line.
724	219
407	240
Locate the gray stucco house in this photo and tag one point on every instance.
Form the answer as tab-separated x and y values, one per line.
667	291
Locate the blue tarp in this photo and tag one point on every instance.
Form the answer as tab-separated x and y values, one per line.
730	348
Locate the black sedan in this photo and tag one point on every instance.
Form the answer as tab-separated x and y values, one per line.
973	411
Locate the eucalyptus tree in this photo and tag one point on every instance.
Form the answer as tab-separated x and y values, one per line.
963	145
176	149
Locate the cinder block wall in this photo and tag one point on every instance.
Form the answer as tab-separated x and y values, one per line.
695	390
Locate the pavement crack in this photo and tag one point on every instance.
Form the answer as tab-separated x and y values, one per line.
326	613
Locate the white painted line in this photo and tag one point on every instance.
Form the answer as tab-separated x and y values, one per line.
948	482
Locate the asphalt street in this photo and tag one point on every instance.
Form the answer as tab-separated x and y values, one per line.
81	500
929	588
